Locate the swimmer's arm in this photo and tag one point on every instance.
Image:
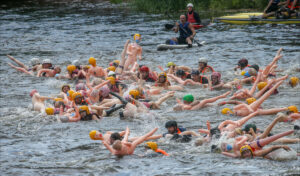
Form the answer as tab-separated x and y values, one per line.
140	53
43	97
161	69
184	68
229	154
108	147
230	102
218	86
125	139
88	83
226	122
195	103
101	85
264	152
241	140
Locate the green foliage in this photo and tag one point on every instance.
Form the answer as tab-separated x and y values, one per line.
116	1
167	6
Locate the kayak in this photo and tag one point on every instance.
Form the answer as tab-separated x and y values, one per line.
161	47
255	18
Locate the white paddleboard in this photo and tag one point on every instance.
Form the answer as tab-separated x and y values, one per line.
165	46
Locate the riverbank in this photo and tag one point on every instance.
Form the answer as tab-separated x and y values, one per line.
175	6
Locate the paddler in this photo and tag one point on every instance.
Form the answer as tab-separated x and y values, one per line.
271	8
186	32
192	16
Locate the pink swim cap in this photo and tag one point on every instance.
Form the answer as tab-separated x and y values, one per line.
80	86
33	92
104	91
217	74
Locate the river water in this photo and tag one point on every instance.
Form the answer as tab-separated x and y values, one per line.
32	144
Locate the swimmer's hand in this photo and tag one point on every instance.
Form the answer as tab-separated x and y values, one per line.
222	103
287	148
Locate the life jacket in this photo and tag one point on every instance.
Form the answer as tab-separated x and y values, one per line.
191	18
178	131
203	80
184	30
207	67
297	6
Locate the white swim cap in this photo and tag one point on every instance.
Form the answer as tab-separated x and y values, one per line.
34	61
203	60
46	61
111	73
76	62
190	5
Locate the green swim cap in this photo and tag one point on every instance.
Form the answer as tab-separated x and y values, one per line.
169	64
188	98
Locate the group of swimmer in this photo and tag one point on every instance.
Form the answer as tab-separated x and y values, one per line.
130	88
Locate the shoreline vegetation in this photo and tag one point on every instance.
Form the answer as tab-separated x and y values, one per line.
177	6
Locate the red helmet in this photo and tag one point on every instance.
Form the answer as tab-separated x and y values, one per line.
144	69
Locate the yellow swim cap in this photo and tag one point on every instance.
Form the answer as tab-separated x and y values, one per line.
244	148
76	95
250	100
135	93
136	36
112	80
112	68
92	61
261	85
117	62
243	73
70	93
294	81
293	109
49	111
169	64
71	68
84	108
226	111
95	135
152	145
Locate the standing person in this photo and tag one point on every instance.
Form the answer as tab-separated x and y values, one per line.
134	51
186	32
191	15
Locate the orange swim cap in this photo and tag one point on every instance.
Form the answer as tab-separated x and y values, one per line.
92	61
250	100
261	85
226	111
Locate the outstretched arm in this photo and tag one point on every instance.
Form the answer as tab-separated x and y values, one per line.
229	154
43	71
264	152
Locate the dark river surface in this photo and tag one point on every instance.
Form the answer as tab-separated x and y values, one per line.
32	144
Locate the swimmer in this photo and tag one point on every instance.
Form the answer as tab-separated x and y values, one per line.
163	83
149	104
196	79
189	103
35	63
121	148
95	70
49	72
110	137
38	101
203	68
245	109
81	114
179	134
255	148
134	51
